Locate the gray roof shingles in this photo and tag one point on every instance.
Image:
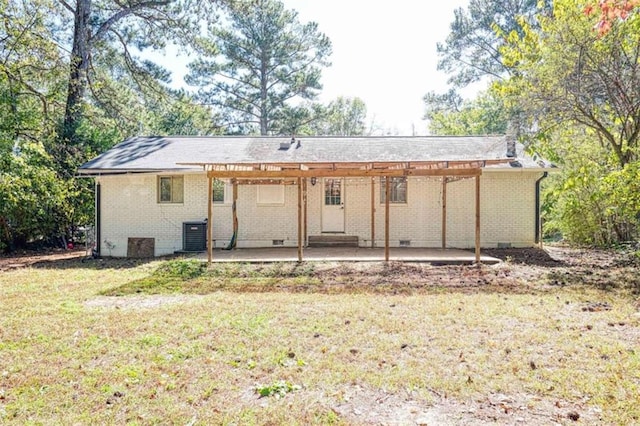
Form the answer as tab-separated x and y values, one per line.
139	154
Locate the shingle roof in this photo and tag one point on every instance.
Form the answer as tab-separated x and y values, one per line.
139	154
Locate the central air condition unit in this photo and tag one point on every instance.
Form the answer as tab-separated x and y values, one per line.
194	236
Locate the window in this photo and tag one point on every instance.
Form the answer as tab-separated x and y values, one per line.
397	190
332	192
170	189
219	191
270	194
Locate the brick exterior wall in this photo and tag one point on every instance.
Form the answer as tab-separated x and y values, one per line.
129	208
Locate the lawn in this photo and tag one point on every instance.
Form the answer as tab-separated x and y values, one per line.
530	341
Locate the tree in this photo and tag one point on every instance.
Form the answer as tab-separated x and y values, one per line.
250	71
342	117
472	48
567	73
450	115
104	27
56	110
579	90
610	11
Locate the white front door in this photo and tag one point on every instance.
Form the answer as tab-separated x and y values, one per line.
333	205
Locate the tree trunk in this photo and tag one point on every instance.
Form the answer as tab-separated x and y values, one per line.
79	66
264	110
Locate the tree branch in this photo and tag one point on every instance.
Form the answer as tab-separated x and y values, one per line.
67	6
106	25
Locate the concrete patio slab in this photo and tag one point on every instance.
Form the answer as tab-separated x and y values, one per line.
349	254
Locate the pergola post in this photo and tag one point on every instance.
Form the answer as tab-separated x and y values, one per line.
299	219
304	200
444	212
478	219
387	190
209	220
235	212
373	212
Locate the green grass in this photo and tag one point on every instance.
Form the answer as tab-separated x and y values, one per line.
221	344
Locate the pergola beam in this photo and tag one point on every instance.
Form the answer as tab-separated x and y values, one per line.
273	174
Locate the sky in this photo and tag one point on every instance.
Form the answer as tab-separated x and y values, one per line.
384	52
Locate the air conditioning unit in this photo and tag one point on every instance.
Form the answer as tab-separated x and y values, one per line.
194	236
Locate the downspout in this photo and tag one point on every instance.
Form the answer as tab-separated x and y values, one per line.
98	219
538	229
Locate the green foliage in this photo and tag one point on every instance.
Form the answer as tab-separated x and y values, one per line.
569	75
591	201
42	145
181	268
278	389
595	206
578	93
342	117
250	70
449	115
33	201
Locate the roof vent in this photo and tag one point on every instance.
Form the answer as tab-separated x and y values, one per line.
285	146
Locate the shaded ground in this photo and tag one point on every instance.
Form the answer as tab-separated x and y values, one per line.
22	259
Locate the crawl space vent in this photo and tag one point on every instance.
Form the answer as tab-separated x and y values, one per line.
277	242
405	243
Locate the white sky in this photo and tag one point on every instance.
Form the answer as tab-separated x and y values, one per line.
384	52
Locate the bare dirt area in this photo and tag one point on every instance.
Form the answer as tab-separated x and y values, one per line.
361	405
23	259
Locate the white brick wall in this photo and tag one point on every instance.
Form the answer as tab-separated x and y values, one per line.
130	209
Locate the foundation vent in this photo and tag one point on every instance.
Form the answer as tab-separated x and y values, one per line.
277	242
405	243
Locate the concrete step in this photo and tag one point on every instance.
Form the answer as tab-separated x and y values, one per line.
333	240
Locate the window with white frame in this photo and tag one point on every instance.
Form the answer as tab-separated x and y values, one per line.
397	190
170	189
219	191
270	194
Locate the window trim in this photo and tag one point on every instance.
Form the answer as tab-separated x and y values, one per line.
173	178
391	201
225	195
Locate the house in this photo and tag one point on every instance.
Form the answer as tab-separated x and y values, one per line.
460	192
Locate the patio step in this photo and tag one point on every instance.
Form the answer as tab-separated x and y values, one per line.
333	240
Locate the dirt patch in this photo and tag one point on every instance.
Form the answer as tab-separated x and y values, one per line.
375	407
25	259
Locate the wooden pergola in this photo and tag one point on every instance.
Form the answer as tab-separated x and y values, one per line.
298	173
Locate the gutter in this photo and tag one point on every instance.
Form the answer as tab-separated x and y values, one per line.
98	217
538	231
